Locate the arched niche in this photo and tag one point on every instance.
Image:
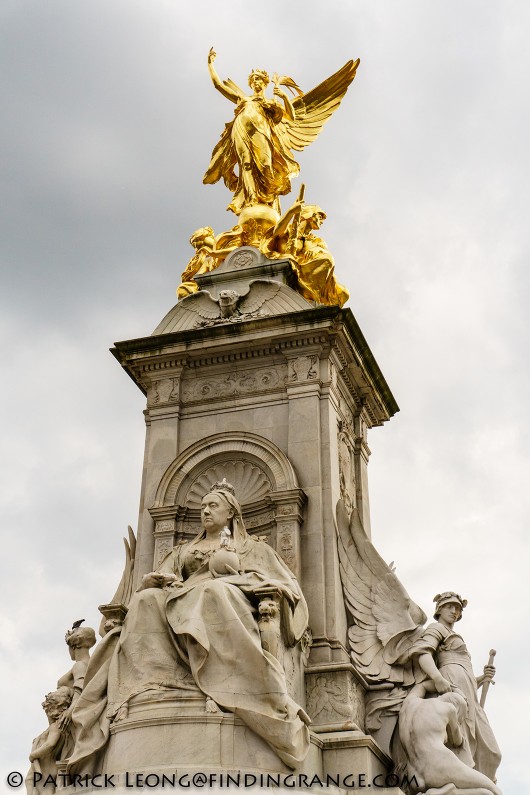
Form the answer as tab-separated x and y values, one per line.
264	480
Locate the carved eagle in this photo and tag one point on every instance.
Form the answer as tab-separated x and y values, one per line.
230	306
263	297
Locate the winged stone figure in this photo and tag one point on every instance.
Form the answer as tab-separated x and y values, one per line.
403	661
385	621
260	139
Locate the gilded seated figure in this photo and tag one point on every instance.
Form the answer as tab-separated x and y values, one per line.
292	235
200	608
208	255
313	262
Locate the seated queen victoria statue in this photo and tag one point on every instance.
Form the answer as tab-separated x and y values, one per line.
194	623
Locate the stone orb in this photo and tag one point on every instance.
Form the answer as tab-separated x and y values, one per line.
224	561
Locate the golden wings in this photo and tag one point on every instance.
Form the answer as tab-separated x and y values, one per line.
312	110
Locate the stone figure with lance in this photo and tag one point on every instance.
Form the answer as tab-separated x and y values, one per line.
421	665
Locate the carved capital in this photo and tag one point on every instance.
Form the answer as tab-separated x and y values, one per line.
164	392
303	368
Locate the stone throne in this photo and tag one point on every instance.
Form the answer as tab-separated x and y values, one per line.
278	401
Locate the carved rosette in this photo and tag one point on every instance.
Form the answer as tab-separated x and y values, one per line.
335	701
247	257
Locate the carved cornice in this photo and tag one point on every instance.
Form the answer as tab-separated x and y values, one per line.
315	330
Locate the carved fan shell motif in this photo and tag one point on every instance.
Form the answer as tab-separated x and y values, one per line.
250	483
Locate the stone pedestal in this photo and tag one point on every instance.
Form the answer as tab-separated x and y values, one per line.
280	403
166	731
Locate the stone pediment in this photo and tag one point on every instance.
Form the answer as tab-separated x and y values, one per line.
236	303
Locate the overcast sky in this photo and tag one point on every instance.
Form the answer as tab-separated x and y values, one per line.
109	119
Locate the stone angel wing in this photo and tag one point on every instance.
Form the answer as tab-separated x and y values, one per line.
312	110
385	620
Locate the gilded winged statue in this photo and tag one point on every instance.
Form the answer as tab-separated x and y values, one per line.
411	670
260	139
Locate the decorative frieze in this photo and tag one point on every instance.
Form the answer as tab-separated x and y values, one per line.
229	385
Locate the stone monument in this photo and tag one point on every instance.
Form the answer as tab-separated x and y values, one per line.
256	631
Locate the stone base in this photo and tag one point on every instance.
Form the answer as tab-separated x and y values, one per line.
164	732
353	752
164	742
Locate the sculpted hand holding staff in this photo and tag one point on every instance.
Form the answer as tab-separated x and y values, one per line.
442	656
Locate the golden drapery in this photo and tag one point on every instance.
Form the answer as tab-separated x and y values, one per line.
255	142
